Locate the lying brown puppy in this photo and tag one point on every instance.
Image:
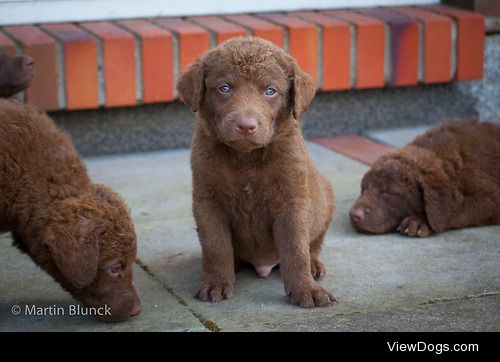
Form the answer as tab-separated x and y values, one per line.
79	232
257	197
447	178
16	73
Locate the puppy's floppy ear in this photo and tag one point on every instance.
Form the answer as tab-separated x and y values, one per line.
442	198
191	85
74	249
302	92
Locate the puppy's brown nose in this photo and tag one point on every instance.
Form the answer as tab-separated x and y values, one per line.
246	126
357	214
28	62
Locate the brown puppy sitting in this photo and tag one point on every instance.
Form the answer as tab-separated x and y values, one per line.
257	197
79	232
447	178
16	73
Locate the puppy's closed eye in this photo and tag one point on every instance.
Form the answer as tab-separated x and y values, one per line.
388	192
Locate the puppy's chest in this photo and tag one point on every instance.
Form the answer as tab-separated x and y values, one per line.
248	196
250	210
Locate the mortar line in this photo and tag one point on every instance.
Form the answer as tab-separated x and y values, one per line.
454	50
207	323
176	49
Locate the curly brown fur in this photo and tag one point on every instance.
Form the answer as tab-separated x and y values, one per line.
16	73
257	197
79	232
447	178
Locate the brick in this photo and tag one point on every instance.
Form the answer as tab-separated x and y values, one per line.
260	27
302	39
223	29
336	50
193	39
7	45
80	65
356	147
43	91
489	8
157	57
403	53
118	63
436	43
470	40
370	43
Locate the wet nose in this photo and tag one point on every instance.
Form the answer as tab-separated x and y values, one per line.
246	126
136	310
28	62
357	214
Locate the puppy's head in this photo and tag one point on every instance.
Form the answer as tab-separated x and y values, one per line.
411	181
389	193
16	73
245	89
92	247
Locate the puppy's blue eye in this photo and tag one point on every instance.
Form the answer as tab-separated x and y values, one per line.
270	92
224	88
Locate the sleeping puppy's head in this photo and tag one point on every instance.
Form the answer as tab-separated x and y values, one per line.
407	182
91	244
16	73
244	90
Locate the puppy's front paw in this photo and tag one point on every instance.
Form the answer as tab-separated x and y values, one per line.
311	296
415	225
214	291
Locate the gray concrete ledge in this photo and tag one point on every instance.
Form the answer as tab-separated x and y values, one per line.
168	126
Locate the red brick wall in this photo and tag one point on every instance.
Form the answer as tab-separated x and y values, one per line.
125	63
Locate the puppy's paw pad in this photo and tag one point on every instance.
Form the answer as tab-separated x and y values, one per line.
215	291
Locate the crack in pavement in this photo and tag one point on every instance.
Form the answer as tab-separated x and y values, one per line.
429	302
207	323
213	327
465	297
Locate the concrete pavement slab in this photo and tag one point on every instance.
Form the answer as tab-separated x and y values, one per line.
397	137
24	285
476	314
370	275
